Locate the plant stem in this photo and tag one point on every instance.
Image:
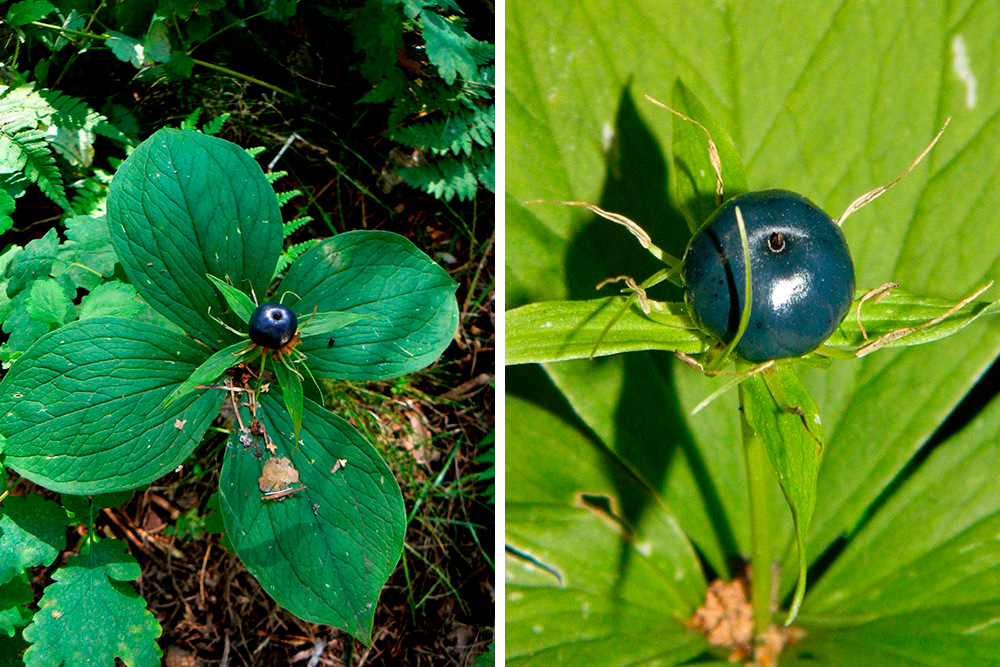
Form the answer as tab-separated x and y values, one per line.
761	529
239	75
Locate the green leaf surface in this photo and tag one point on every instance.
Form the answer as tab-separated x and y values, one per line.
933	544
184	205
598	570
696	189
26	11
47	302
323	324
87	254
90	616
563	330
81	408
32	533
324	552
944	637
211	369
15	595
34	262
241	304
409	300
111	299
126	49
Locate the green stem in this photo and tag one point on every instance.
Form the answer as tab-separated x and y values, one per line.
239	75
761	529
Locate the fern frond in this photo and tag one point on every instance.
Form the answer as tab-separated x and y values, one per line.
272	176
255	151
295	225
455	134
292	253
285	197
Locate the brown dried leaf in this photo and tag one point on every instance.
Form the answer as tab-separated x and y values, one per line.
278	475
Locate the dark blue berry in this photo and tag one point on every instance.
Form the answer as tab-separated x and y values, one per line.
272	325
801	271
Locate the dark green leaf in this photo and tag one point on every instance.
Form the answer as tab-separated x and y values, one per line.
209	371
184	205
562	330
241	304
113	298
35	261
82	408
89	616
324	552
409	299
32	533
26	11
15	595
48	303
126	49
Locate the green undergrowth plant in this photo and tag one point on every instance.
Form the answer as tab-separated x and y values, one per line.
157	39
641	555
439	82
107	403
45	136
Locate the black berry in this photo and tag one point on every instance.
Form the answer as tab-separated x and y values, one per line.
272	325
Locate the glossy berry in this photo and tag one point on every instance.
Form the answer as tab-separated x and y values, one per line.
272	325
801	271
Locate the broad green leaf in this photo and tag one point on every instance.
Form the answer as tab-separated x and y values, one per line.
26	11
696	180
562	330
34	262
32	533
241	304
48	303
943	636
598	571
211	369
126	49
409	300
81	408
89	615
184	205
324	552
87	254
783	415
933	544
113	298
